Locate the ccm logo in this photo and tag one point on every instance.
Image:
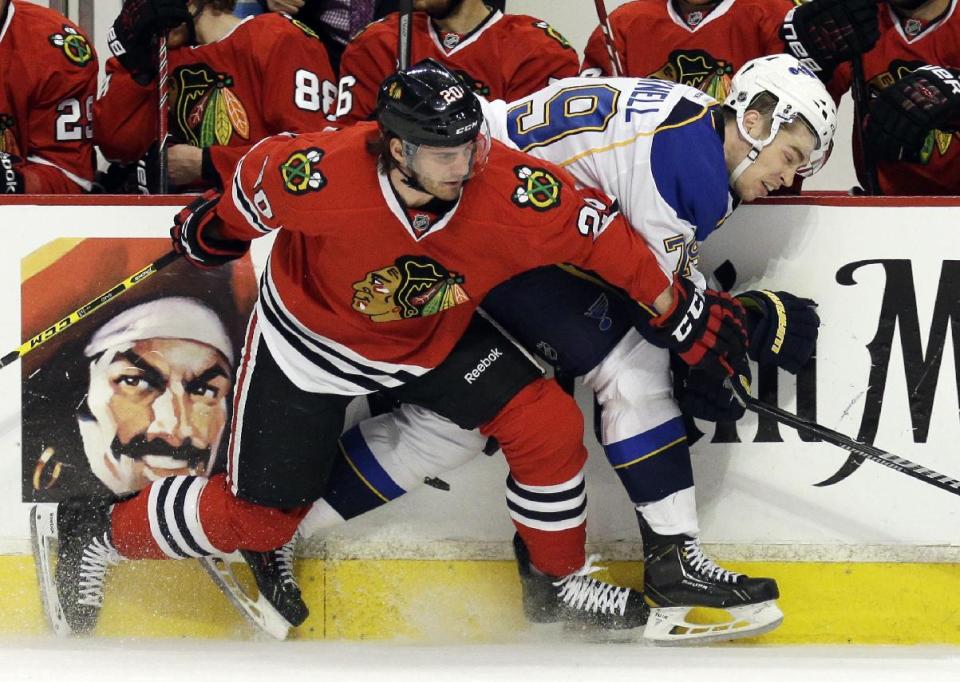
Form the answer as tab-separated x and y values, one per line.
481	367
693	314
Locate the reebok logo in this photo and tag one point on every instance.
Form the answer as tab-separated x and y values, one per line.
10	184
482	366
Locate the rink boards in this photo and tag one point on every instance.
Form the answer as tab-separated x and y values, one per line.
873	558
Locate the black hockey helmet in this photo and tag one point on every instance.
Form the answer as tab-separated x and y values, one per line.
429	105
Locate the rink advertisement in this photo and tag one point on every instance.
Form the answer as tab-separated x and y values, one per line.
886	372
91	411
138	390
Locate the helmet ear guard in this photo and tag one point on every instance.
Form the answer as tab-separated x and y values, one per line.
799	95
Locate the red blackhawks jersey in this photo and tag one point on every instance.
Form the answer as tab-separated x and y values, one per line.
699	49
508	56
269	75
48	79
905	45
361	295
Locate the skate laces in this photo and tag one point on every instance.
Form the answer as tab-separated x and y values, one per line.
97	556
284	557
705	565
582	592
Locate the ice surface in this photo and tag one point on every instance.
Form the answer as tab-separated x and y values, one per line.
44	659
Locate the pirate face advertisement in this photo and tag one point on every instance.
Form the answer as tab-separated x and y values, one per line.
139	390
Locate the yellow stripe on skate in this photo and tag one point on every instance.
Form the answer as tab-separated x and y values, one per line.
479	601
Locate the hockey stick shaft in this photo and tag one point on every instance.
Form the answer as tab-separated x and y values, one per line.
616	66
91	306
860	106
405	35
163	118
740	387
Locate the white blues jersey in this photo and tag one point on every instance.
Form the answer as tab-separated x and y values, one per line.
652	144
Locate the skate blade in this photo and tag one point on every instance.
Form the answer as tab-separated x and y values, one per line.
257	610
671	626
563	631
43	538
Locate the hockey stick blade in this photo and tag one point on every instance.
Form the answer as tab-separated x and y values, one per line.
852	464
91	306
741	388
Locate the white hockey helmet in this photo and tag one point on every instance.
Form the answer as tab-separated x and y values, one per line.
799	93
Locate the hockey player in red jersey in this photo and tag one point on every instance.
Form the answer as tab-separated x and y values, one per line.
382	296
48	79
232	83
700	43
913	75
501	56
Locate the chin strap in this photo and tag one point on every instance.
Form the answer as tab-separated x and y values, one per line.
743	165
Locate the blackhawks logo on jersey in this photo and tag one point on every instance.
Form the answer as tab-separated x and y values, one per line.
698	69
300	171
205	109
8	143
414	286
936	141
540	190
74	46
553	33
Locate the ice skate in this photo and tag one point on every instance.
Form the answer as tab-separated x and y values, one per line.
679	577
78	535
577	600
278	604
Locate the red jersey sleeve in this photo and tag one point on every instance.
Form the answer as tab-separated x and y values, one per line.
368	59
275	185
125	115
59	154
545	55
589	231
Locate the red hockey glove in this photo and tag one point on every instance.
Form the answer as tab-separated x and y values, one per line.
201	249
705	328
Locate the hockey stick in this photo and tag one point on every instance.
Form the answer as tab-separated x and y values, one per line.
860	106
741	388
616	66
405	35
80	313
163	122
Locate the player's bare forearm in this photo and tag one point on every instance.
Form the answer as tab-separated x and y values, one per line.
664	301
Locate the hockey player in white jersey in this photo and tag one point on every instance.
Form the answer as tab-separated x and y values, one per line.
678	162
